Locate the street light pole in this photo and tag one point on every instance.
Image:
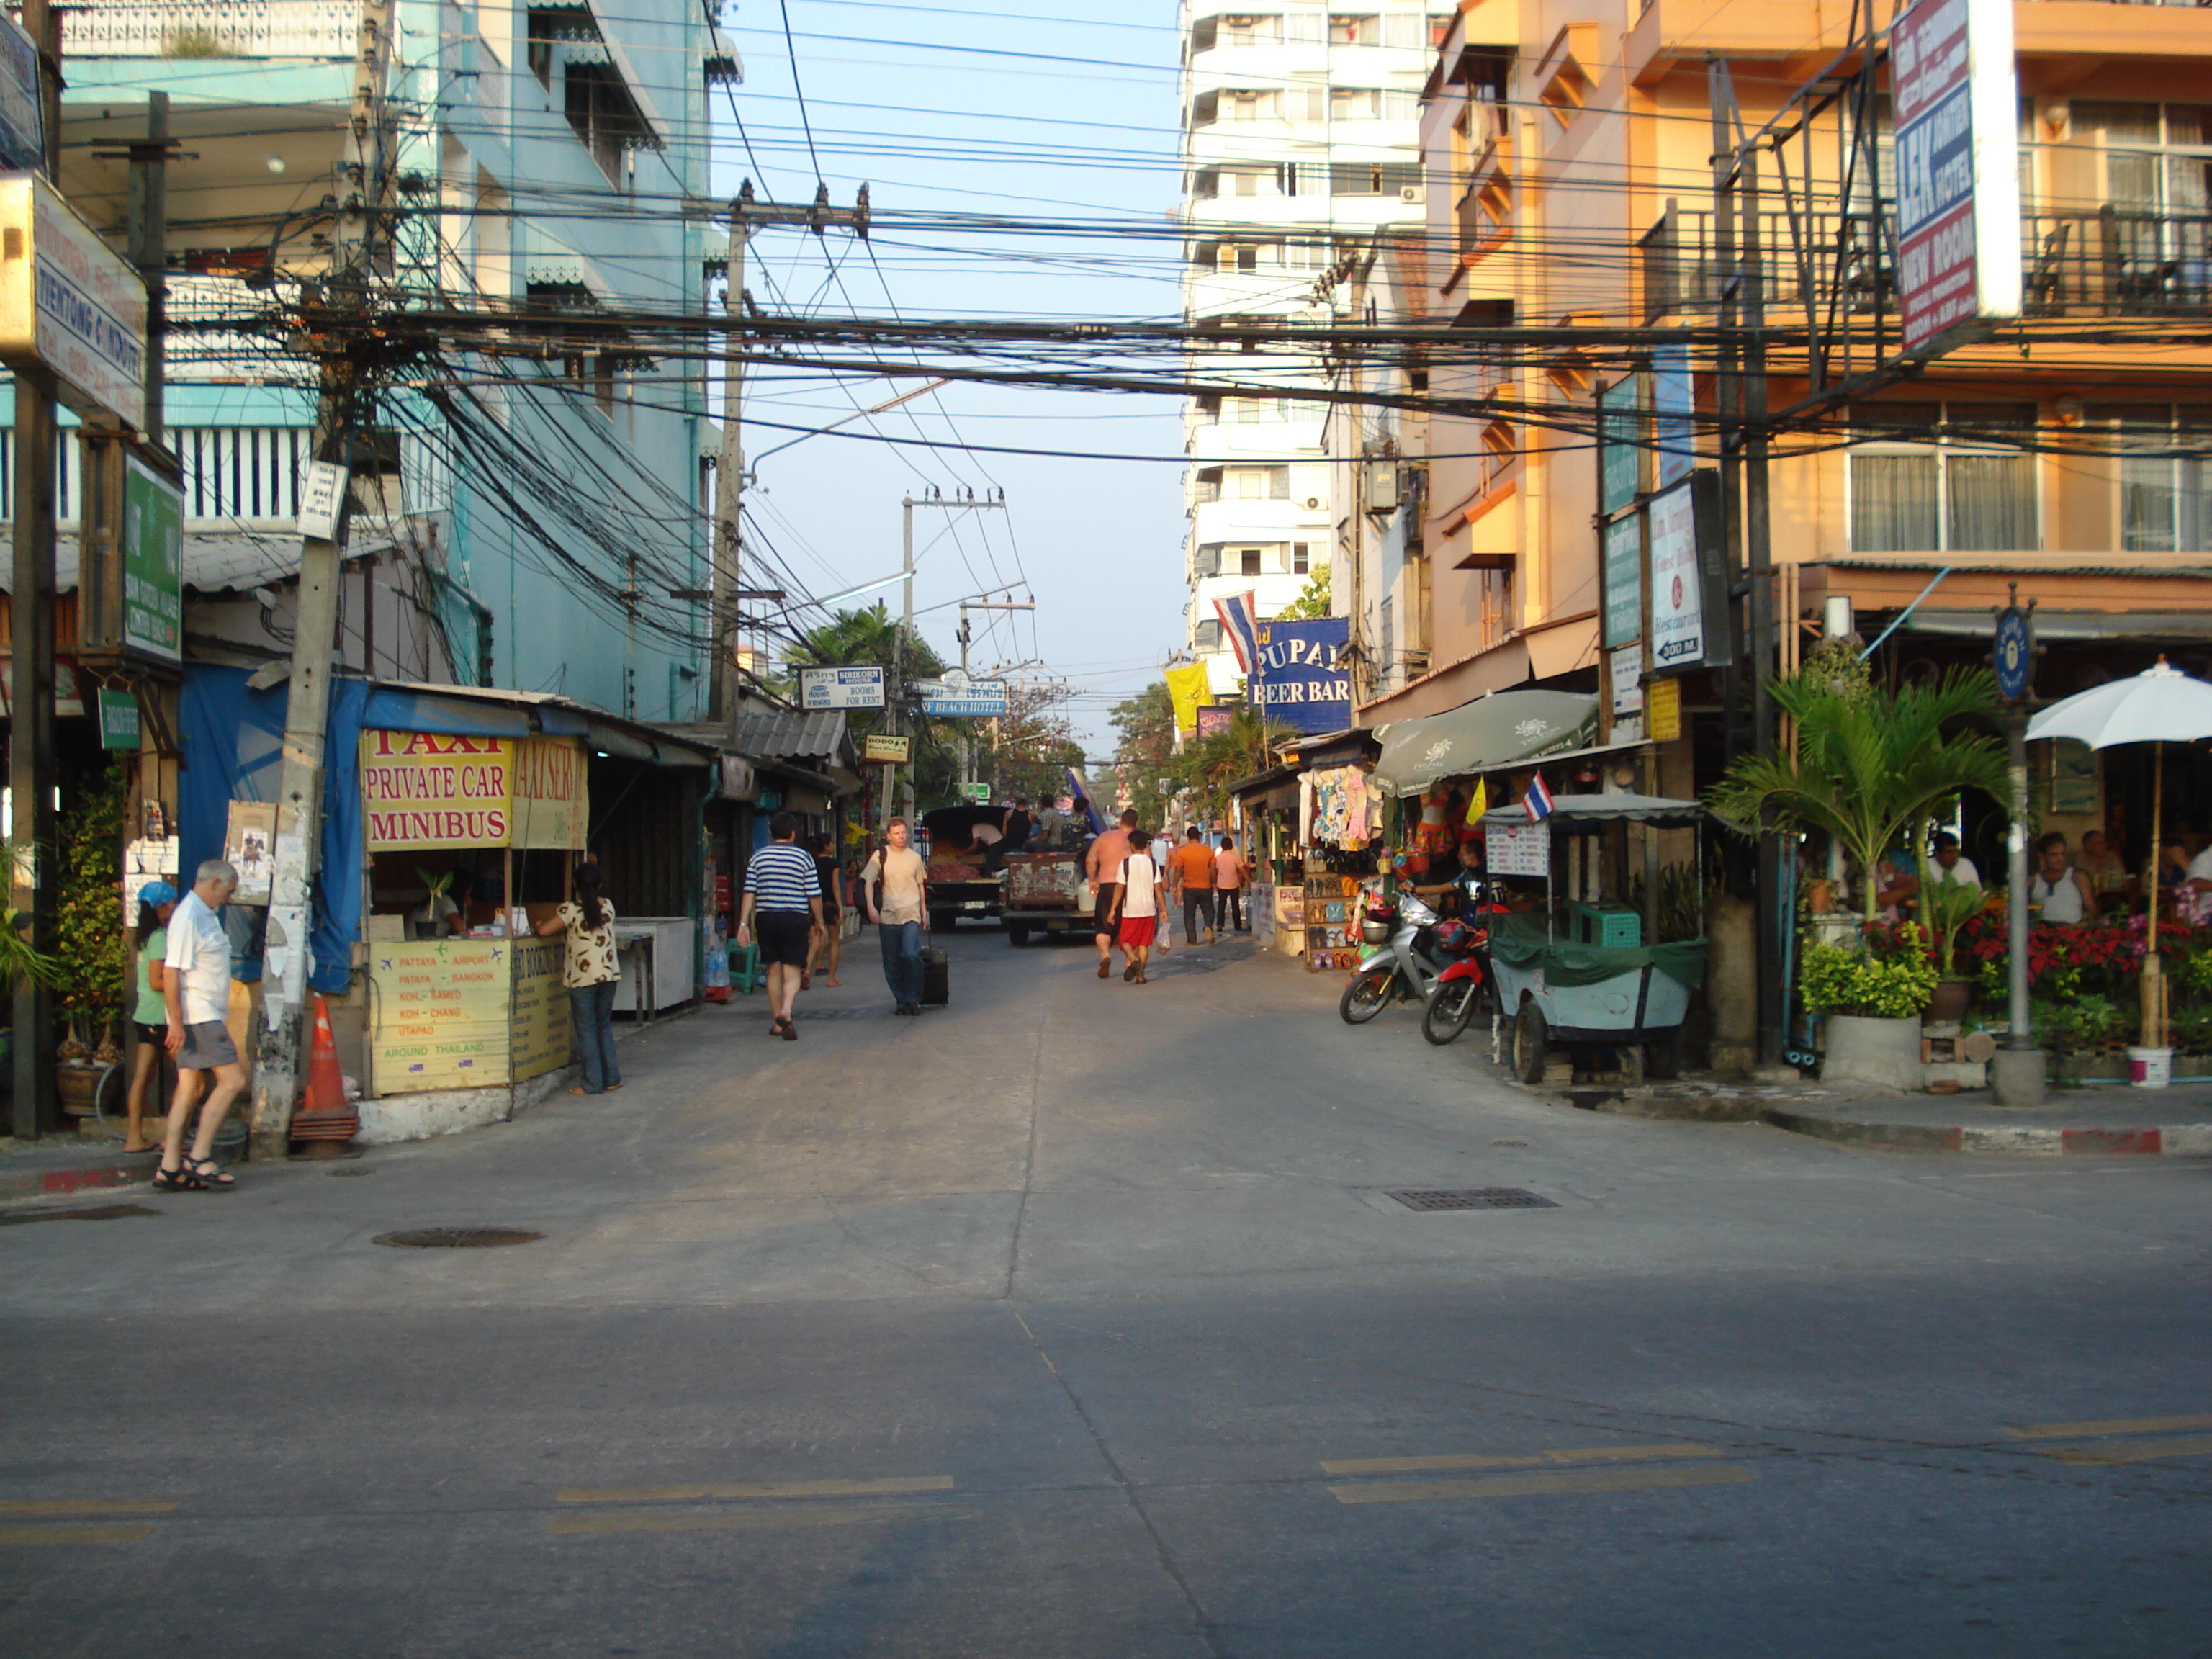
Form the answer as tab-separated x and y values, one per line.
897	695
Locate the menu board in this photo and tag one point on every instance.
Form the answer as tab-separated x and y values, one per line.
540	1041
465	1013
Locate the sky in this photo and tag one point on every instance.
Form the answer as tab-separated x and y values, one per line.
972	108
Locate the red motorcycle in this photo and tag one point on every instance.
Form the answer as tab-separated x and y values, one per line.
1461	987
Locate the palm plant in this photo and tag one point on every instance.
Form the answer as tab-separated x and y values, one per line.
1945	907
1246	745
1869	768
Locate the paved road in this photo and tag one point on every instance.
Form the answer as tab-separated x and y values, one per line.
1076	1321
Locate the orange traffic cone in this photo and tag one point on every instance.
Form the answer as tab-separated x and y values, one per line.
325	1115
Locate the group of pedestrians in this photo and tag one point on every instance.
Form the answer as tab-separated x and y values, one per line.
1131	894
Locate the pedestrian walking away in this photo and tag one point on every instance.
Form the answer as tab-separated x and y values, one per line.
895	890
783	905
1137	905
1101	864
1190	867
196	996
157	901
829	944
592	971
1228	873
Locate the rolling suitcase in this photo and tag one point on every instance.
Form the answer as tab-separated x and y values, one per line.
936	977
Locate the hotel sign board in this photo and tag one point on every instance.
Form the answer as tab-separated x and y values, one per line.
68	304
1955	92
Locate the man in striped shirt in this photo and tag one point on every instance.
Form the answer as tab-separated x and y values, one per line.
783	903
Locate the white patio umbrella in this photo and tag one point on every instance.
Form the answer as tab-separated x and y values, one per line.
2160	705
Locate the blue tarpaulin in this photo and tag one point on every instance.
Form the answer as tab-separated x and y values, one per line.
234	740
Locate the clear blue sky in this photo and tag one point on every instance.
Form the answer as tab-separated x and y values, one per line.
975	109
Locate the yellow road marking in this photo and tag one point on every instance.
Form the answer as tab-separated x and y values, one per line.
579	1526
758	1489
1530	1485
2111	1426
2128	1451
1476	1461
130	1534
85	1506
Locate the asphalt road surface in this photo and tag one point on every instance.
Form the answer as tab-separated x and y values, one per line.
1078	1320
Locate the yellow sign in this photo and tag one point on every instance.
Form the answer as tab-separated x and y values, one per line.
68	304
1662	710
1187	688
893	749
465	1013
427	789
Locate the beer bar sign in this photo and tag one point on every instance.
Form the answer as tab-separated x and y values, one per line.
1955	92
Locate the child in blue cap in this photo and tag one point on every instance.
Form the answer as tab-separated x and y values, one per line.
156	899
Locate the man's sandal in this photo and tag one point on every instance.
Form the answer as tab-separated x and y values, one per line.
210	1172
181	1180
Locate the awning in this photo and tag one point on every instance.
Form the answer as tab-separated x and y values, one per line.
1579	811
2131	625
1510	728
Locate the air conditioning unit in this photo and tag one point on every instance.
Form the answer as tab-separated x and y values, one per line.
1313	504
1411	193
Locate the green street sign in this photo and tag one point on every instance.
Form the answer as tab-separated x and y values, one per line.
153	563
978	793
119	720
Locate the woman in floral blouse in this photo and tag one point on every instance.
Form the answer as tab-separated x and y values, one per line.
591	972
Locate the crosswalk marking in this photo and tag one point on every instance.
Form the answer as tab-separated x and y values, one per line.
2129	1451
86	1506
654	1520
2111	1426
896	1484
1528	1486
122	1534
1479	1461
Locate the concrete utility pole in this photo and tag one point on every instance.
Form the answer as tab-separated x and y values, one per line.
34	885
747	215
299	789
149	221
897	693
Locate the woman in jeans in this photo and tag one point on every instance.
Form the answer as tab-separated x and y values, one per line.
591	972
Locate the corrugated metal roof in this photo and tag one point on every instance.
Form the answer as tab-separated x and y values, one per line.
215	563
813	734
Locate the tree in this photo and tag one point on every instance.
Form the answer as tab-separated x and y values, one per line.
869	635
1249	743
1869	768
1031	747
1313	600
1145	754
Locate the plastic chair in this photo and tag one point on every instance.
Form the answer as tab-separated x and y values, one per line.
744	968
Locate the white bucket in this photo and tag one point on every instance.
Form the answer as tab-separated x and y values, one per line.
2150	1068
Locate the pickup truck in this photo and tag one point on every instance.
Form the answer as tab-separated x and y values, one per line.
959	888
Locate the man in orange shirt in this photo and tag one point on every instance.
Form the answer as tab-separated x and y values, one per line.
1103	867
1190	867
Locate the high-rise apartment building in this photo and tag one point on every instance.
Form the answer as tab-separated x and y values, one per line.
1300	141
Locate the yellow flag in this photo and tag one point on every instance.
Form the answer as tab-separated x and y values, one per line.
1187	688
1479	802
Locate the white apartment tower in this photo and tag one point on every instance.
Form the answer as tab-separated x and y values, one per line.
1300	140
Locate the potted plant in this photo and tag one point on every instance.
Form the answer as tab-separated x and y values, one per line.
89	927
1947	907
1874	1003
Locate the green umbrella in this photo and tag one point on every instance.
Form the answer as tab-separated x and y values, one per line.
1507	728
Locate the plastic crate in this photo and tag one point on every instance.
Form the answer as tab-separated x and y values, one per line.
1612	925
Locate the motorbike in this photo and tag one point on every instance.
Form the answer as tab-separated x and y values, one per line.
1404	961
1461	988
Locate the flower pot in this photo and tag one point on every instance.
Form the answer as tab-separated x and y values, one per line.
1953	998
1884	1053
1820	896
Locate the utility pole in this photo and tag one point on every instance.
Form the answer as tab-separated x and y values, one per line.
747	215
361	185
968	738
33	886
149	221
897	695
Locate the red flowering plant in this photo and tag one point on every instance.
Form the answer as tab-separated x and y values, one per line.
2067	959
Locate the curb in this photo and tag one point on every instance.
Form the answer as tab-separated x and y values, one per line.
45	1183
2162	1141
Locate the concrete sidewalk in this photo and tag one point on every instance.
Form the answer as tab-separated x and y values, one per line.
2093	1120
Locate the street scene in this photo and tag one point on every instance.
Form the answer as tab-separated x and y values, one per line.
858	828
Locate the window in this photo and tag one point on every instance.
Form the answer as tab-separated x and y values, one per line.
1257	483
1209	560
1372	177
1207	635
1253	411
1371	104
1440	27
1301	557
1354	29
544	30
1207	486
2164	473
1208	183
2157	156
1389	641
1250	559
1930	477
1251	106
1238	255
599	110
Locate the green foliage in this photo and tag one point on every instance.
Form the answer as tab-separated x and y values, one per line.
869	635
2078	1022
1312	602
1246	745
2195	975
1870	768
2191	1028
88	922
1145	754
1947	907
1836	981
1682	909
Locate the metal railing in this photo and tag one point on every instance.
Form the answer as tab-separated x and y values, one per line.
2107	262
207	28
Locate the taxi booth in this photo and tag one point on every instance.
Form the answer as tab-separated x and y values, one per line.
484	1008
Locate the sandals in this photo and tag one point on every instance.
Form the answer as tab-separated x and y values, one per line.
179	1180
210	1173
784	1029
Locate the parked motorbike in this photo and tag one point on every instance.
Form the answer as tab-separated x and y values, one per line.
1404	961
1463	986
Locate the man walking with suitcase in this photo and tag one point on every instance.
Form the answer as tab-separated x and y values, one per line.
895	888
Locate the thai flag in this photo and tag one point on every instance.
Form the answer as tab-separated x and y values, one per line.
1240	627
1536	800
1078	788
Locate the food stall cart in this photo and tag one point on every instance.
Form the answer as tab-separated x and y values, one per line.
483	1009
1593	971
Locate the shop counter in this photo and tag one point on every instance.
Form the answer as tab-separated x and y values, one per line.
666	948
465	1013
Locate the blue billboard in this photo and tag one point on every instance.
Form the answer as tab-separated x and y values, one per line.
1299	680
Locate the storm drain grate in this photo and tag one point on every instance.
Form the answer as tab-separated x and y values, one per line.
458	1238
1473	1198
93	1212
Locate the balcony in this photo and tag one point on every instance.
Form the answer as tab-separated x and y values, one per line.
2102	262
201	29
